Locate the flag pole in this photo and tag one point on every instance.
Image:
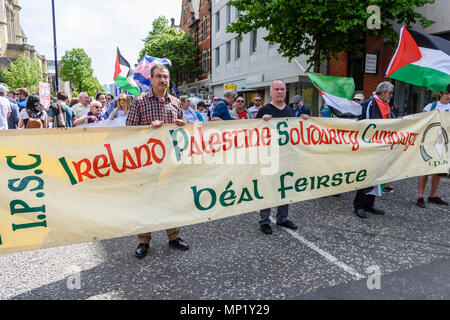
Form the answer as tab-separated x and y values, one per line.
298	63
55	47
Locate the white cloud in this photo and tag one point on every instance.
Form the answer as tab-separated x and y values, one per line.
99	27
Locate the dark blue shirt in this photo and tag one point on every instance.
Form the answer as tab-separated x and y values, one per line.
13	119
23	104
221	110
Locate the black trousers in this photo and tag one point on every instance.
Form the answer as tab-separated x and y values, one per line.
363	200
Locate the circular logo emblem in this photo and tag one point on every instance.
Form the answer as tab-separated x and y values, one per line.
440	137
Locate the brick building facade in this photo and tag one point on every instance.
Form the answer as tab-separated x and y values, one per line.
409	98
196	21
352	65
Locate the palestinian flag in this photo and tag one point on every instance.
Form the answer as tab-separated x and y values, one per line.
123	75
421	60
337	93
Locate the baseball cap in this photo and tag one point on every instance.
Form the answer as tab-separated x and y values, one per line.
296	99
3	89
359	96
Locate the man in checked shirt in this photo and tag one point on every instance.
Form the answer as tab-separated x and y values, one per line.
156	108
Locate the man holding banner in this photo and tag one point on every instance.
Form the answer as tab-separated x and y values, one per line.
156	108
376	107
276	109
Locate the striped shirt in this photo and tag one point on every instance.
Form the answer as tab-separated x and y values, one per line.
149	108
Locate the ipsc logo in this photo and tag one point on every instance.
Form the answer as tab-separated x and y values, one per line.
437	133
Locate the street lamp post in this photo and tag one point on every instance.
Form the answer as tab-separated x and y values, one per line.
54	45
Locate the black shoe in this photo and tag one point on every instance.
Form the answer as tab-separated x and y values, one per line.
361	213
288	224
266	228
374	210
179	244
420	203
141	250
437	200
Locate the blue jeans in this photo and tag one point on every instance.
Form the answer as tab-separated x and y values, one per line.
282	215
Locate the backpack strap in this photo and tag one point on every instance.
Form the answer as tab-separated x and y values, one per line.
433	106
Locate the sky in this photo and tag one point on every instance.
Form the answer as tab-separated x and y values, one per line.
97	26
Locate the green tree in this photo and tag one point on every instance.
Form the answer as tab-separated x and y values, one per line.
76	67
90	85
158	26
24	73
323	28
3	78
175	45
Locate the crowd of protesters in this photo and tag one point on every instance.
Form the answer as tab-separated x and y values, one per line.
19	110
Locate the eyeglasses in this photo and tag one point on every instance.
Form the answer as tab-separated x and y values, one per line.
257	100
357	99
162	76
240	101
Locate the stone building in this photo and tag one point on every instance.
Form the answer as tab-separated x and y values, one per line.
13	41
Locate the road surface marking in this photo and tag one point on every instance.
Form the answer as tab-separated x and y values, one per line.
326	255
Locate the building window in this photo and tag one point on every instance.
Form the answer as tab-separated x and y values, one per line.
217	57
184	16
237	44
195	35
253	41
205	62
228	51
218	21
228	14
205	28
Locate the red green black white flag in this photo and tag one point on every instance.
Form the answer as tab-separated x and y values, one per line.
123	75
422	60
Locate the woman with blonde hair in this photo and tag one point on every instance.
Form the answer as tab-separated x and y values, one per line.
123	107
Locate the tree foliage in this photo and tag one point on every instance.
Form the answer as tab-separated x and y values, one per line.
173	44
90	86
24	73
76	68
323	28
158	26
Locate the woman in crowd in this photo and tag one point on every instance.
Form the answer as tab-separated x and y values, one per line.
101	97
189	113
33	116
93	116
202	110
123	107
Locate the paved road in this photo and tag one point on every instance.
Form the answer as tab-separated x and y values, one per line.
326	258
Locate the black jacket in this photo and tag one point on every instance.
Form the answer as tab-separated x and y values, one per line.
370	110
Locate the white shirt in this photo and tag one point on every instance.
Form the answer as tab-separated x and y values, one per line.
5	109
204	115
254	111
439	106
190	116
211	109
80	110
